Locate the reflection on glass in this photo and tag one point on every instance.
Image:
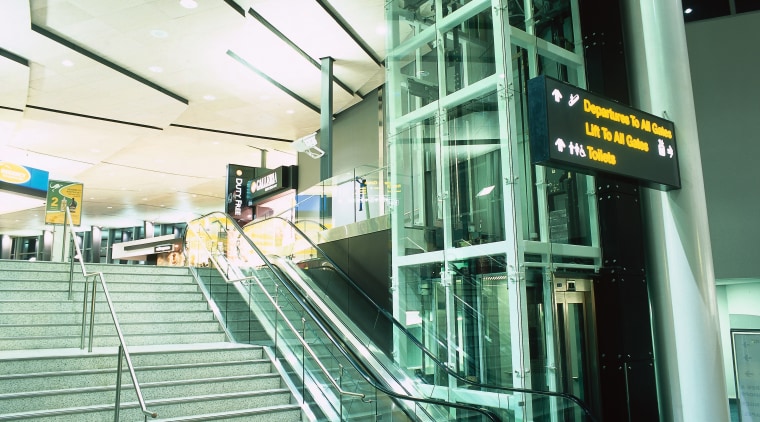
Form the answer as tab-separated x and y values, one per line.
469	52
553	22
473	150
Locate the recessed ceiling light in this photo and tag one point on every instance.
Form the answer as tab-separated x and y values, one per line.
264	97
209	97
188	4
289	111
381	29
485	191
159	33
156	69
67	63
688	10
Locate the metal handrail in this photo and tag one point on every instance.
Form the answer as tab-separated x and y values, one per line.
123	350
485	412
300	338
443	366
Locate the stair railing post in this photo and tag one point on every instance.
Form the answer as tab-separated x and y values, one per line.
303	357
118	384
276	316
92	312
340	396
66	217
84	311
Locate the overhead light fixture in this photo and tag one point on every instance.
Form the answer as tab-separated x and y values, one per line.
688	10
188	4
156	69
308	145
67	63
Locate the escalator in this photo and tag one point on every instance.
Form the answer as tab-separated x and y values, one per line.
272	285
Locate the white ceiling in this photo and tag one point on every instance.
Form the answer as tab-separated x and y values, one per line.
80	96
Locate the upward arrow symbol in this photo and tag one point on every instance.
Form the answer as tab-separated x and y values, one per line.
560	144
557	95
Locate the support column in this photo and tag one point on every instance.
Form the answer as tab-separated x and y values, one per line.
688	355
149	230
96	237
59	244
326	126
5	246
47	245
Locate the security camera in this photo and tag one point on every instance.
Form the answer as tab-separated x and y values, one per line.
308	145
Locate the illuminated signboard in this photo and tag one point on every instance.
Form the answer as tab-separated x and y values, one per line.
573	129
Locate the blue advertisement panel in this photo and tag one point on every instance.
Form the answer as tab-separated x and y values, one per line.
23	179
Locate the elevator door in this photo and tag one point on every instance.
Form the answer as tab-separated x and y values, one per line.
576	342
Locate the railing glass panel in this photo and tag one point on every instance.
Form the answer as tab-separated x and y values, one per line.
457	364
256	304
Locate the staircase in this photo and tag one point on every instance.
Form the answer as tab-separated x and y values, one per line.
186	368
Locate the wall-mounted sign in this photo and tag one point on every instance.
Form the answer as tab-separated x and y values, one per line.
746	348
573	129
23	179
62	195
163	248
247	186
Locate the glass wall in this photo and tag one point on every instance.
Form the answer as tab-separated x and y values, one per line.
478	232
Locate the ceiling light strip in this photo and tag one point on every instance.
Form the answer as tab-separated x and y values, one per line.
224	132
350	31
87	116
273	82
238	8
298	49
11	109
16	58
57	38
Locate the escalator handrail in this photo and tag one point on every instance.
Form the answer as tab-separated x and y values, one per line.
414	339
285	319
349	357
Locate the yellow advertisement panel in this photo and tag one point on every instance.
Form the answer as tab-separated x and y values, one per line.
62	195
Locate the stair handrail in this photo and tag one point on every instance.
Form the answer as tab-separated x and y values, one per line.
123	350
583	406
368	378
300	338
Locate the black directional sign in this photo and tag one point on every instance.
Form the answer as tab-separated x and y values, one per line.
574	129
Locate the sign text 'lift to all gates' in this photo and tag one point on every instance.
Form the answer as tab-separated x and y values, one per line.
574	129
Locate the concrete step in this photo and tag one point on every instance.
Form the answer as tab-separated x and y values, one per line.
217	381
44	376
101	316
131	412
73	340
65	305
108	328
177	284
123	295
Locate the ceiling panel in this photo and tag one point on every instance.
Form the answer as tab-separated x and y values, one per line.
140	100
